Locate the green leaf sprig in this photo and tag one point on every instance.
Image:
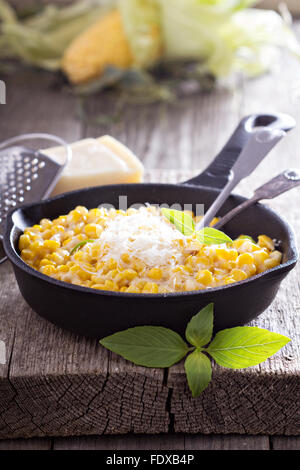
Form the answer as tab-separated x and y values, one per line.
186	225
234	348
80	244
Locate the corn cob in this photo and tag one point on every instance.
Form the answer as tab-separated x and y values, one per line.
102	44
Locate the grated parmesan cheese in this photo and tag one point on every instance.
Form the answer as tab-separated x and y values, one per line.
144	234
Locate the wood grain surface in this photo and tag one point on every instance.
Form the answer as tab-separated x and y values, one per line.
57	384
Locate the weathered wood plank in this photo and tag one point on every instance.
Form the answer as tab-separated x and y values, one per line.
163	442
285	443
26	444
169	136
35	102
229	442
128	442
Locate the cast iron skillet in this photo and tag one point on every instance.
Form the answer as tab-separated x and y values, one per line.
96	313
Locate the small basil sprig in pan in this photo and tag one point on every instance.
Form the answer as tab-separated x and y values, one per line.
80	244
185	224
234	348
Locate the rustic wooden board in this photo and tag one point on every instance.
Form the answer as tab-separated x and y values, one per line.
163	442
170	442
58	384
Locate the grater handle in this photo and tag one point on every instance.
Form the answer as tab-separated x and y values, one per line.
32	136
35	136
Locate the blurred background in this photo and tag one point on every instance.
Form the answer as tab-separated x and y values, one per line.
168	78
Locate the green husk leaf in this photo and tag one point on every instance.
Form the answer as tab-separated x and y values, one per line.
200	327
244	346
198	372
148	346
42	38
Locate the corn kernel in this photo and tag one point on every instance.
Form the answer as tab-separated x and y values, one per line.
270	263
93	230
79	227
138	265
125	257
27	254
150	288
62	269
110	285
113	273
259	257
109	265
47	234
229	255
155	273
245	258
57	258
83	275
238	275
188	269
51	245
128	274
140	285
204	277
97	279
237	244
24	242
202	261
94	214
214	221
266	242
46	224
178	269
48	270
276	255
229	280
46	262
133	289
99	286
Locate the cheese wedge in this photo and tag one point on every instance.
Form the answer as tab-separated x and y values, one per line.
96	162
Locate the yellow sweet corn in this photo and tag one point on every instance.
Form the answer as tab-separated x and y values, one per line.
95	265
100	45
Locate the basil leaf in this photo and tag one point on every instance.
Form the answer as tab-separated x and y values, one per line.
80	244
200	327
198	372
182	221
212	236
149	346
244	346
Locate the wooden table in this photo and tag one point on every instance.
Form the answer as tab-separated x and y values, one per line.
55	384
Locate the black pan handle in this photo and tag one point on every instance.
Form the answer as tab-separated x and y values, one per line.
217	173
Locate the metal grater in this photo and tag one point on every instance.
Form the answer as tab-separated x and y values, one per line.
26	175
